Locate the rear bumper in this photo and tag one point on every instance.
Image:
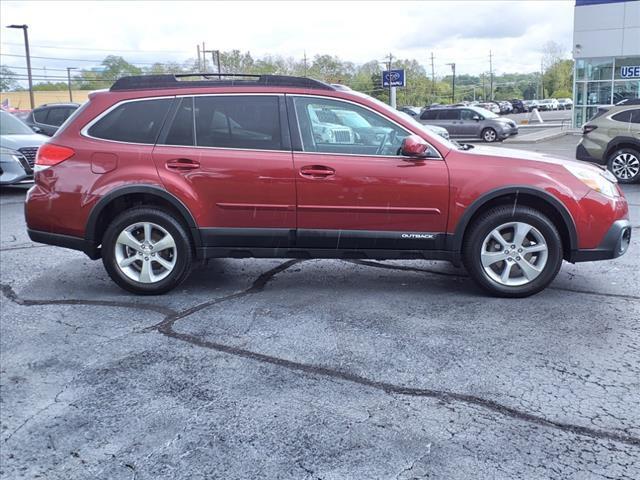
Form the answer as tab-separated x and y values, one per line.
66	241
615	243
584	155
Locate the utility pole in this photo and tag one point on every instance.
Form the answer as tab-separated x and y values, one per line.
305	63
69	82
199	61
484	90
453	82
392	90
204	58
541	80
433	77
215	59
28	55
491	74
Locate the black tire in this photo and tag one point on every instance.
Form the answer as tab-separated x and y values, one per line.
481	228
622	174
489	135
183	251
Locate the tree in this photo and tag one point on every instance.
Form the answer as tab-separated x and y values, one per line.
8	79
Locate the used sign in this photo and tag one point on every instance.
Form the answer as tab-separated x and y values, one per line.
630	71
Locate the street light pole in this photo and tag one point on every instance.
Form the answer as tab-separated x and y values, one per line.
26	47
453	82
69	82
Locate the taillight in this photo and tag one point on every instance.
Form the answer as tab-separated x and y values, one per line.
50	155
588	128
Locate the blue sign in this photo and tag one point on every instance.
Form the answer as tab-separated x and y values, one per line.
393	78
630	71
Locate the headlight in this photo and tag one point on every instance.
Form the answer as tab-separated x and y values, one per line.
600	181
10	152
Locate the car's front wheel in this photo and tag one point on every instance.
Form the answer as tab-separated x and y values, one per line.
147	251
489	135
625	165
513	252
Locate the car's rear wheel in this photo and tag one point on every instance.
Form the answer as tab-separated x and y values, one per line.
147	251
513	252
625	165
489	135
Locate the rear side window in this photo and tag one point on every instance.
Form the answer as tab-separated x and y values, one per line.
40	116
628	116
247	122
447	114
134	122
429	115
181	131
57	116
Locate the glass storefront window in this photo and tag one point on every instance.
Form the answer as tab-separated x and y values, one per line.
591	111
578	113
581	93
627	89
598	93
599	69
580	69
627	62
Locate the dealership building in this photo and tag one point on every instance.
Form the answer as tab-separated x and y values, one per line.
606	50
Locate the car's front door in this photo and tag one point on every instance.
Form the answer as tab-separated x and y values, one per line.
357	194
468	127
229	157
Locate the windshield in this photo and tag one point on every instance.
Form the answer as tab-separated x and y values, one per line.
10	125
484	112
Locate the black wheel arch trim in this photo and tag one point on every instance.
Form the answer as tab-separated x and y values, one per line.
456	239
615	143
92	221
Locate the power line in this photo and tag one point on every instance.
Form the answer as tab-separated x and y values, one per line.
75	59
96	49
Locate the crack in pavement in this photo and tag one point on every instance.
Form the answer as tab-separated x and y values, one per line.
166	328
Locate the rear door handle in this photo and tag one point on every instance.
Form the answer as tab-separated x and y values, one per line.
182	164
317	171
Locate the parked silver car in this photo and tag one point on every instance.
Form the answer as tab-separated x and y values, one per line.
18	148
470	122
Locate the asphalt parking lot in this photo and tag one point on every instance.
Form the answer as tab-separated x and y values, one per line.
316	369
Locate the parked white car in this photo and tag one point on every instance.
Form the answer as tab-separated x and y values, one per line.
548	104
565	103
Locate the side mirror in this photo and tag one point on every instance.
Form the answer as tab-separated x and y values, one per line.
476	118
414	146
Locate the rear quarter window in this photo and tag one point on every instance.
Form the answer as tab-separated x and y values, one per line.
628	116
137	121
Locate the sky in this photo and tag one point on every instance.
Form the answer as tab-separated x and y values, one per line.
81	34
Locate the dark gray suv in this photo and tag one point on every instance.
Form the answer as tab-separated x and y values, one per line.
470	122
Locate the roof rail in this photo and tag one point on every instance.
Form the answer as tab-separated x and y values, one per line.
145	82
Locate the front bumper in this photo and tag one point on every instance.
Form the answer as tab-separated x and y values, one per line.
14	170
615	243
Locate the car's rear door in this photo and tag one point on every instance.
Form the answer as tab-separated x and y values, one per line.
229	157
357	195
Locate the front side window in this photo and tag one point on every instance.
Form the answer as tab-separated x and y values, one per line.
332	126
238	121
468	114
133	122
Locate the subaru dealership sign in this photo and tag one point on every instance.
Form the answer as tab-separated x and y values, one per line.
630	71
393	78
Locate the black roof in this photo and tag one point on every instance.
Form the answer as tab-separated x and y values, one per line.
149	82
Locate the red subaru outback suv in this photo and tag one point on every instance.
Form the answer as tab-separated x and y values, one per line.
159	171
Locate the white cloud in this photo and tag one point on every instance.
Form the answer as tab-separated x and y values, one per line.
461	32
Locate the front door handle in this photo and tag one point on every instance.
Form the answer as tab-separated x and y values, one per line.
182	164
317	171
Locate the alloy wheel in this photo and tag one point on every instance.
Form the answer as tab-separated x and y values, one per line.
489	135
625	166
145	252
514	254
